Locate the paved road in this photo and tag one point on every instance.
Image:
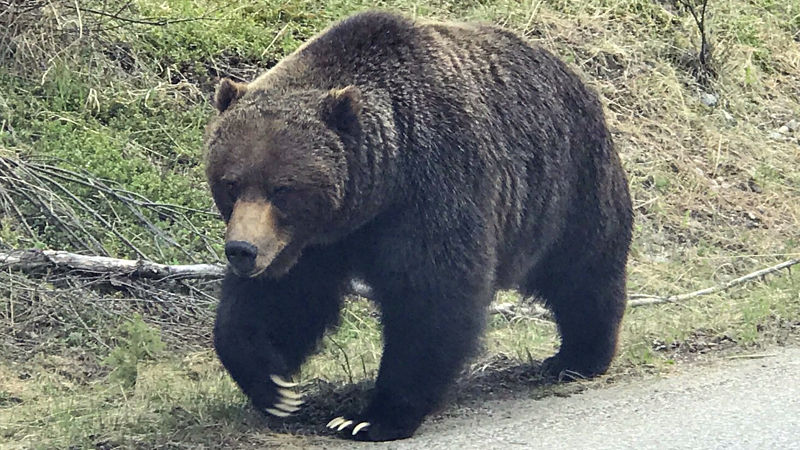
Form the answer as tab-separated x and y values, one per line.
737	404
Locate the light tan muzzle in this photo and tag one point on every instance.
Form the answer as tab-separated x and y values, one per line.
253	238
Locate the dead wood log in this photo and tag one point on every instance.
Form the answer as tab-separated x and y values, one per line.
28	260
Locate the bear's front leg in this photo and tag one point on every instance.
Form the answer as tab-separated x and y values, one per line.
266	328
428	334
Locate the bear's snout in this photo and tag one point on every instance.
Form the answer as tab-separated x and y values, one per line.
241	255
253	238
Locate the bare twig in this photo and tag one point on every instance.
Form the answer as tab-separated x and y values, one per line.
517	311
704	56
86	208
49	204
161	22
754	356
60	193
275	39
346	363
645	300
43	309
8	203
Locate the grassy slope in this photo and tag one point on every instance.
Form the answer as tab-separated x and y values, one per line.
716	192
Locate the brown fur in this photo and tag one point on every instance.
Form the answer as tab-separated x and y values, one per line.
439	163
228	91
256	221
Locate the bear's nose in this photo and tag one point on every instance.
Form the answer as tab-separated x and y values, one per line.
241	255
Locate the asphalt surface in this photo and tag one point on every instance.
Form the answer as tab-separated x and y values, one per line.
735	404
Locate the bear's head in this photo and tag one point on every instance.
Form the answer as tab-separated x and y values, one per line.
277	168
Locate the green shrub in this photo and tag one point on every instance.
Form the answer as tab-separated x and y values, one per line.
138	342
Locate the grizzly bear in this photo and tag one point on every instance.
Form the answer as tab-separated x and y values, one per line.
438	162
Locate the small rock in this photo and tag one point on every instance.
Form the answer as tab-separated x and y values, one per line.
776	135
754	187
708	99
793	125
783	130
728	117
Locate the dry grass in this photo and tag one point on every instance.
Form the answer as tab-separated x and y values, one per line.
713	162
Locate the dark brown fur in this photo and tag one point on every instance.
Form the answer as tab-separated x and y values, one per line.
438	162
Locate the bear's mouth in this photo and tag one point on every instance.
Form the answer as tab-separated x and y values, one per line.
253	274
257	273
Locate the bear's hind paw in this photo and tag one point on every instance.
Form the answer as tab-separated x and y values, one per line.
288	401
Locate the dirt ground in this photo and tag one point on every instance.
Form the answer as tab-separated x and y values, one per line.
750	401
500	404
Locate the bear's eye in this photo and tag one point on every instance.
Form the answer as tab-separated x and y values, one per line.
281	190
231	187
280	196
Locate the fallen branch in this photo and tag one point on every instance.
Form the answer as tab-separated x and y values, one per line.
40	259
637	300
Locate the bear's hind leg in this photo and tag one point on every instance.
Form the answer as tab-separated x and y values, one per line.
588	306
266	328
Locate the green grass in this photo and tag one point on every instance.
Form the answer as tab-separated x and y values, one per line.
187	398
716	196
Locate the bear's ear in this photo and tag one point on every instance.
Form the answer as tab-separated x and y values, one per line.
228	91
341	109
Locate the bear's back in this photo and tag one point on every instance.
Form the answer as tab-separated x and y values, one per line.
383	49
478	69
362	49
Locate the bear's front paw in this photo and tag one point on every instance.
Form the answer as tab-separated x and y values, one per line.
364	429
343	424
286	400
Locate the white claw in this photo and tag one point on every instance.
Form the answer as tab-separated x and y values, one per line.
344	425
291	401
289	394
281	382
360	427
335	422
278	413
288	408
